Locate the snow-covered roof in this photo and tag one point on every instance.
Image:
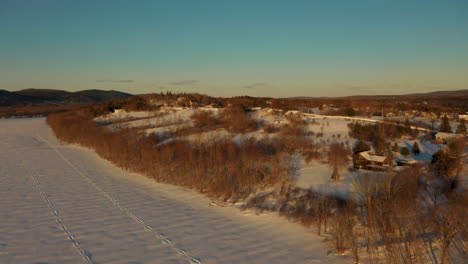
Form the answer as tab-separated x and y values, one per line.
293	112
274	110
372	157
447	135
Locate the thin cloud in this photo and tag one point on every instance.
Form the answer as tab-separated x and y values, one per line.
255	85
116	81
184	82
357	88
434	88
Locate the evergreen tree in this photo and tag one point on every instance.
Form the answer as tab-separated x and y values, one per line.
395	147
416	149
361	146
404	151
407	129
445	125
461	129
448	162
380	146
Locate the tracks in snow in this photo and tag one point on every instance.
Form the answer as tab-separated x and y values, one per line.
138	220
83	253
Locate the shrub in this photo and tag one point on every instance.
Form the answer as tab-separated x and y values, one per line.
395	148
416	149
405	151
445	125
461	128
236	120
204	119
269	128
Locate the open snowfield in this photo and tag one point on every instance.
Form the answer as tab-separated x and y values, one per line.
64	204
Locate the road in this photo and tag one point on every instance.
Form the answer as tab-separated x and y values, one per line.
64	204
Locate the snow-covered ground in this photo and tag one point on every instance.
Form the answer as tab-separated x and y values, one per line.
317	175
122	115
332	130
322	130
64	204
426	147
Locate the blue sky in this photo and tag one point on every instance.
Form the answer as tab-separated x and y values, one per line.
225	48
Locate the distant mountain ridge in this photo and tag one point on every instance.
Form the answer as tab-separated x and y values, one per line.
442	93
429	94
41	97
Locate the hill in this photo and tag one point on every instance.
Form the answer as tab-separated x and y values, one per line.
12	99
429	94
49	97
442	93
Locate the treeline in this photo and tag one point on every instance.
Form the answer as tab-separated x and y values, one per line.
221	169
370	132
344	106
33	111
234	119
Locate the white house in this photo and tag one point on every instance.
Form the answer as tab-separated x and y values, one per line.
447	136
294	113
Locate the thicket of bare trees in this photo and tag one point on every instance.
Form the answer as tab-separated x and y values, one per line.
391	219
234	119
33	111
221	169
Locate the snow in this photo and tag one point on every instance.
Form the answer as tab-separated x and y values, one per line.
372	157
427	149
316	175
333	129
170	117
64	204
168	128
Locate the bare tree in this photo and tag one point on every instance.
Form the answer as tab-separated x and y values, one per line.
448	223
337	159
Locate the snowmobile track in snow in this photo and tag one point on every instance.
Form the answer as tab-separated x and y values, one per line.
138	220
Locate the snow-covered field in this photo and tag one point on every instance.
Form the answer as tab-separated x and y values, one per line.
64	204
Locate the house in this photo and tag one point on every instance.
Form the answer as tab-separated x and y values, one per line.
370	161
429	115
448	115
294	113
274	112
446	137
255	109
117	110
